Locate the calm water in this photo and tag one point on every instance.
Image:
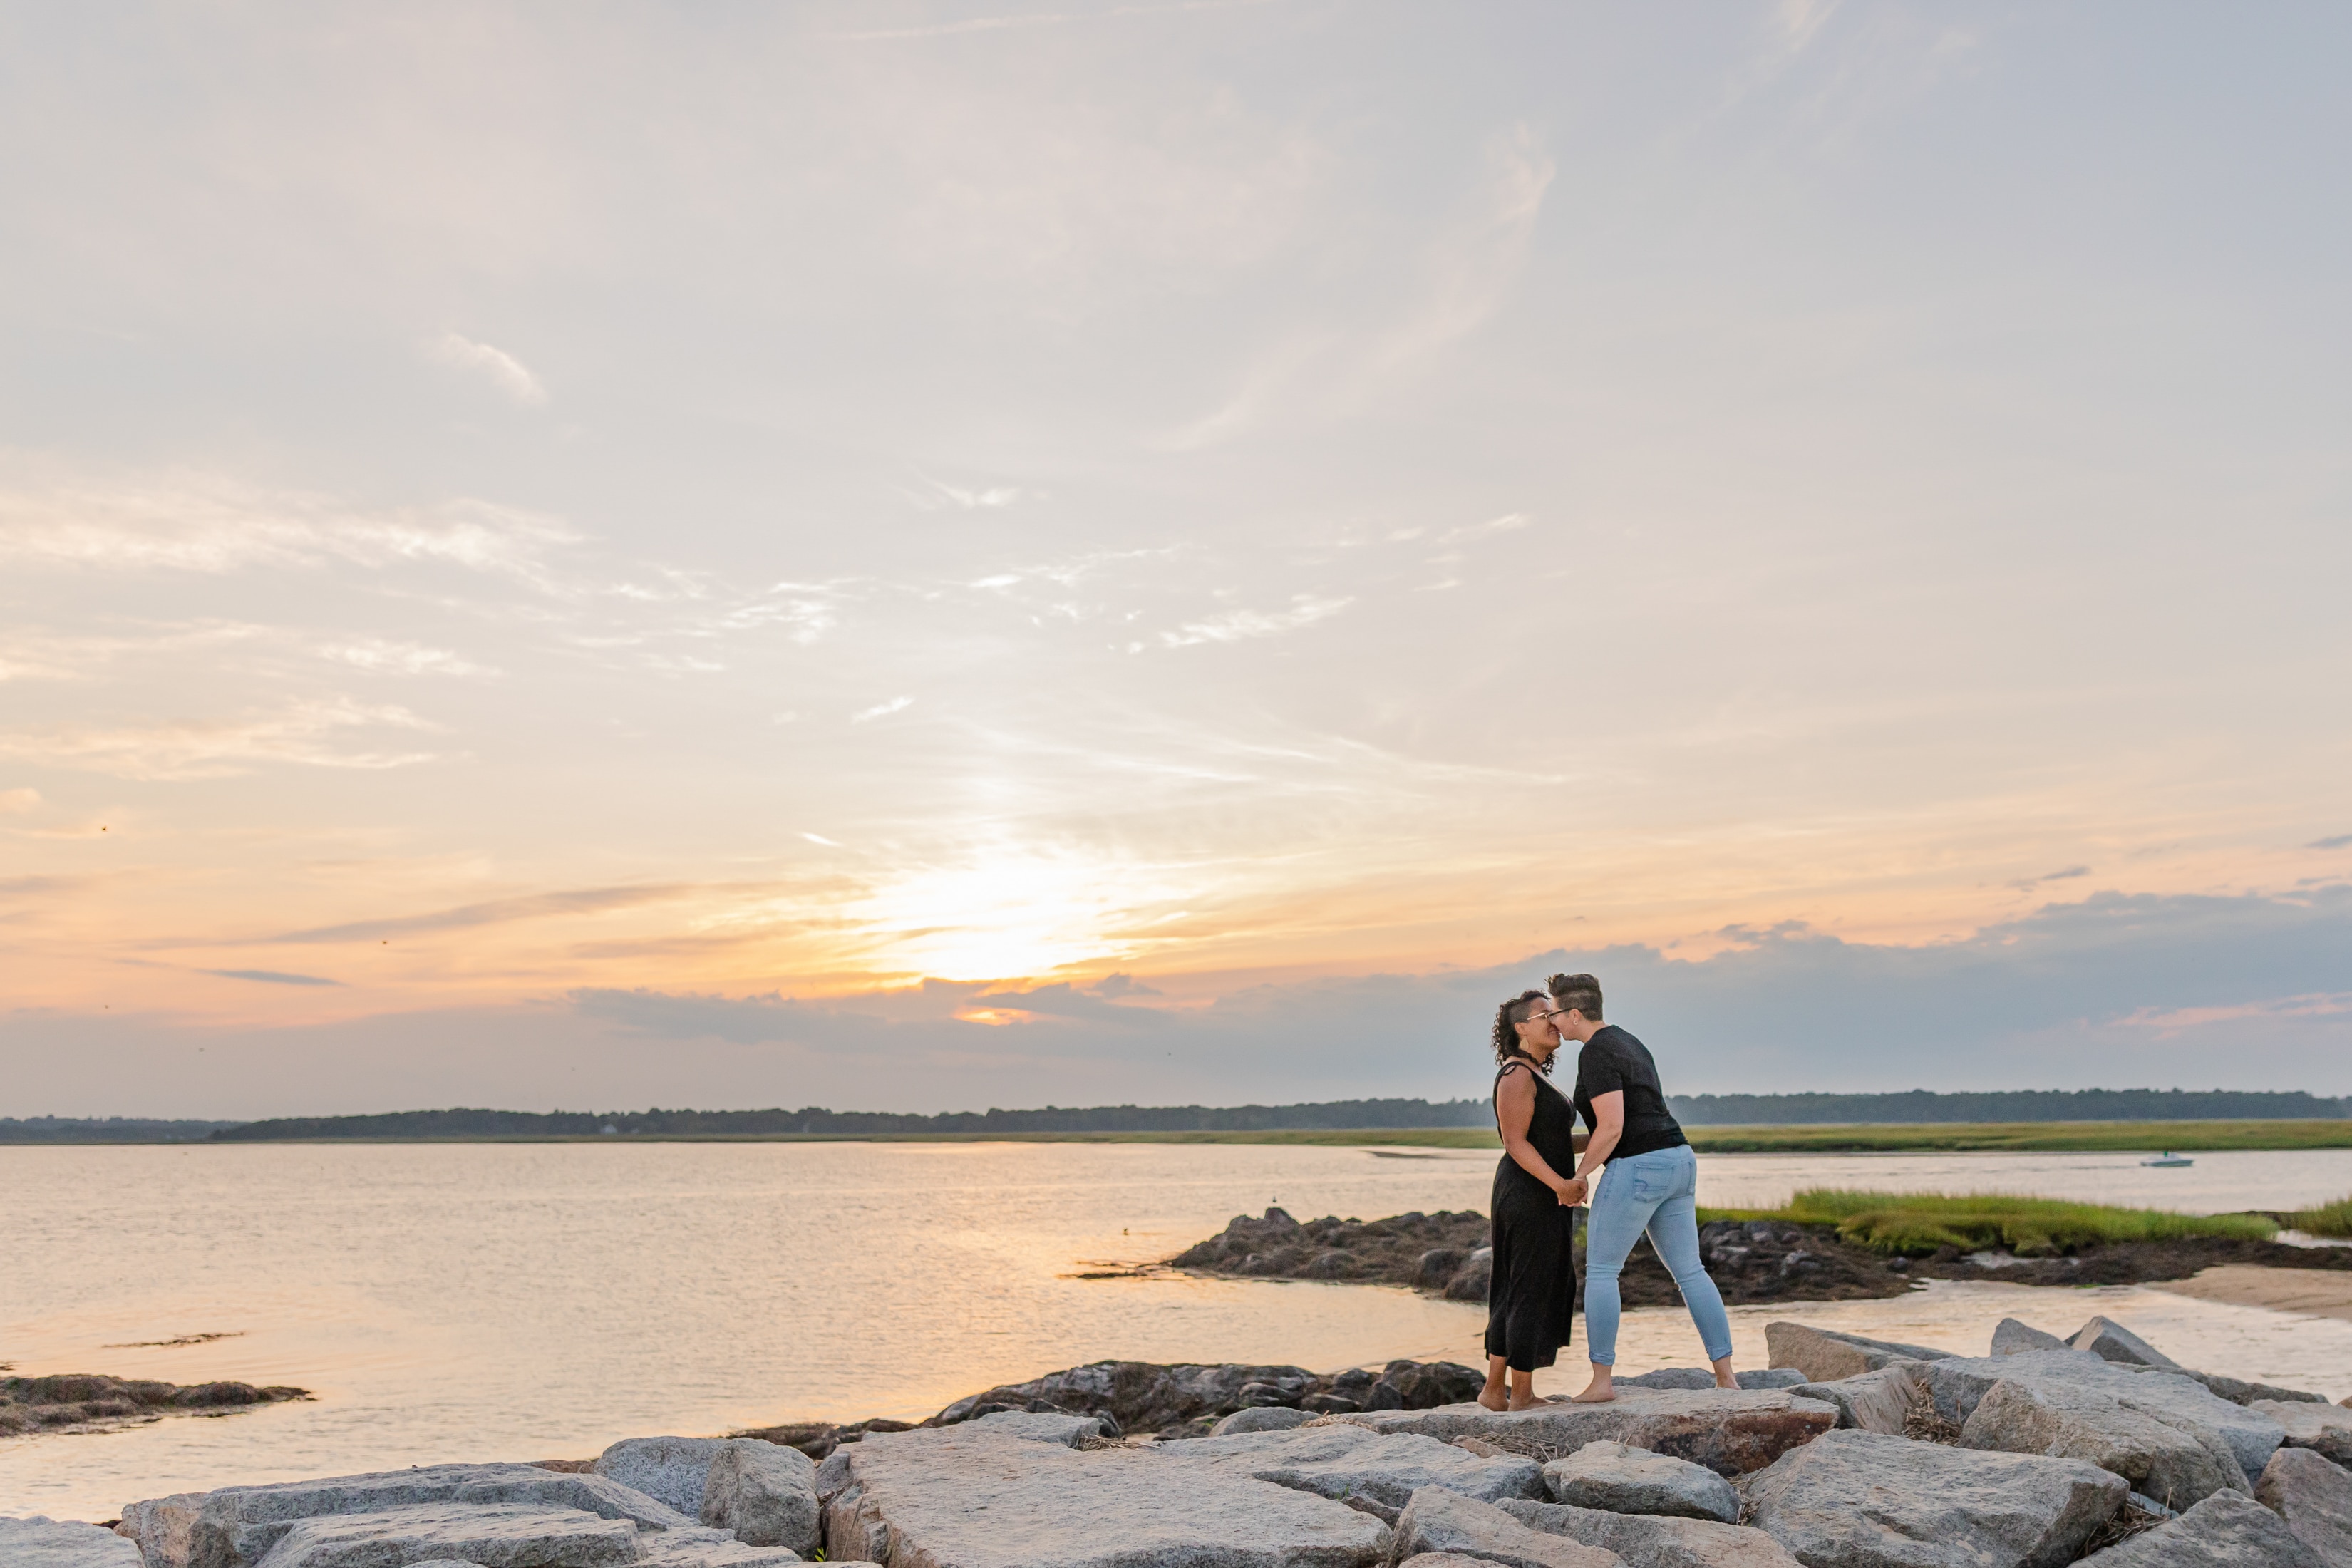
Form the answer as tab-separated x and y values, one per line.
481	1301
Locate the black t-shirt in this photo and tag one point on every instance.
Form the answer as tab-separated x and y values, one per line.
1615	1061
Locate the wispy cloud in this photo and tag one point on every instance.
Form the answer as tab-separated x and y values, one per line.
271	977
308	733
2068	875
492	364
386	658
2336	841
498	911
19	800
883	710
204	523
1240	626
976	497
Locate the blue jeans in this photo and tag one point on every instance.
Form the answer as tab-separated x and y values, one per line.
1657	1192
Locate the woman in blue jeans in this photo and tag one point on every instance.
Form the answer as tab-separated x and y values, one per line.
1651	1182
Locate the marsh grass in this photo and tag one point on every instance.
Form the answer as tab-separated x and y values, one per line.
1920	1223
2330	1219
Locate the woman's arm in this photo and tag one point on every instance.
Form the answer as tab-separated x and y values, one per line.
1608	1126
1514	1108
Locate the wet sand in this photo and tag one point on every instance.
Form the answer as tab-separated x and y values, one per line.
2307	1291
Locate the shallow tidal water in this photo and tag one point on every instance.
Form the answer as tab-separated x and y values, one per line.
505	1301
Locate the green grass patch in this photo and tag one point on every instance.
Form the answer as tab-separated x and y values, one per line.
2330	1219
1920	1223
2047	1137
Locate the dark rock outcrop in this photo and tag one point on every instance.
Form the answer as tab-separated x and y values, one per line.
83	1402
1186	1401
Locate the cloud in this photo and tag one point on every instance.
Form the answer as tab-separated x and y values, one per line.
385	658
2068	875
19	800
498	911
883	710
2339	841
495	365
989	498
202	523
1506	524
2111	991
303	732
749	1020
271	977
1239	626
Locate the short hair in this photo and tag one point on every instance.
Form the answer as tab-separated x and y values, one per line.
1577	992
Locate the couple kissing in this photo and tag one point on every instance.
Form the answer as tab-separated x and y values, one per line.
1631	1163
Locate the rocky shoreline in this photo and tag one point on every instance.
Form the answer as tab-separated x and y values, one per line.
1751	1261
82	1403
1853	1453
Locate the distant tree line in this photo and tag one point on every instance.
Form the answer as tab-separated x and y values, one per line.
1698	1110
811	1119
2007	1105
104	1130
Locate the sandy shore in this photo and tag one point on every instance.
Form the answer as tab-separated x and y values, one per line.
2314	1292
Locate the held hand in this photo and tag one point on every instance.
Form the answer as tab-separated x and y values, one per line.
1571	1192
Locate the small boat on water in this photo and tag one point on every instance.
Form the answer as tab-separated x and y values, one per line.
2169	1158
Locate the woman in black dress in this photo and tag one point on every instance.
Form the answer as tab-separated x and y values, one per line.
1532	1299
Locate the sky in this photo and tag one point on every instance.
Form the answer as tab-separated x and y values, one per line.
933	555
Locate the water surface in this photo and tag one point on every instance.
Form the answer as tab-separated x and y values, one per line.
501	1301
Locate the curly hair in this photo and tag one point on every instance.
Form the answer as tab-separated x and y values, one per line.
1508	1020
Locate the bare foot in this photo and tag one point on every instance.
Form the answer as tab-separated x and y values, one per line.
1600	1391
1493	1399
1529	1403
1725	1379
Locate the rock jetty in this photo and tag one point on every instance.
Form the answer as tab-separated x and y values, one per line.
1751	1261
88	1402
1906	1458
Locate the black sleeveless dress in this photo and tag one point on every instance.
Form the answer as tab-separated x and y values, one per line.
1532	1299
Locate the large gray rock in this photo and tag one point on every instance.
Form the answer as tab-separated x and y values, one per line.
708	1549
1824	1355
1349	1464
1703	1377
764	1494
671	1470
1859	1500
161	1526
2324	1428
2110	1341
43	1543
492	1535
2314	1498
1957	1384
2227	1530
2237	1390
1730	1431
1651	1541
1040	1426
1260	1418
1625	1479
1871	1401
964	1496
1442	1521
2010	1337
236	1526
2175	1465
